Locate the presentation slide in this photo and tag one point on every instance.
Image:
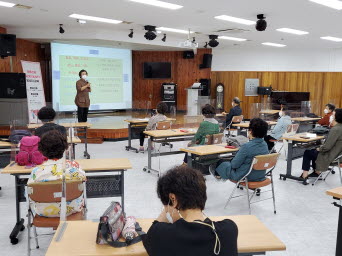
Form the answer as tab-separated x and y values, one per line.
109	73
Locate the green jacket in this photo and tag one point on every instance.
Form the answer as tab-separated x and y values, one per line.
331	148
205	128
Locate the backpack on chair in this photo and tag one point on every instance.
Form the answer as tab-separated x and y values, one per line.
29	154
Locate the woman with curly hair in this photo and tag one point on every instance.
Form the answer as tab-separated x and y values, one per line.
52	145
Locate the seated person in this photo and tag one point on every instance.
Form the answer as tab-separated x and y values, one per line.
324	155
47	115
329	109
239	166
280	128
52	145
234	111
209	126
152	122
182	229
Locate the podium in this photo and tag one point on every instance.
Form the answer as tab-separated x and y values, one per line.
193	103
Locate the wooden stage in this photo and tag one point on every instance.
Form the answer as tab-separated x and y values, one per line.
113	126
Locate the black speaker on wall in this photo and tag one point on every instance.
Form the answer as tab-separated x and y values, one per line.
207	58
205	83
7	45
13	85
188	55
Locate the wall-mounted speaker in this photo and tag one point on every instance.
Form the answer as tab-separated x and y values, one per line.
188	55
7	45
207	59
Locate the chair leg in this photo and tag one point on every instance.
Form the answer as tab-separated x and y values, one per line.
249	202
319	176
273	194
231	195
28	233
36	236
339	169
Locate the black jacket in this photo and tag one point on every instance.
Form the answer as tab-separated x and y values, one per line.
235	111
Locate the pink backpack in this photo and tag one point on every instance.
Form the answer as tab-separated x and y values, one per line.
29	154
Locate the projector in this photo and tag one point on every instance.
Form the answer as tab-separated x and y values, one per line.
188	44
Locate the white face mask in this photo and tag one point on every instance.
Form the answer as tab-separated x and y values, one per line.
84	77
326	111
281	113
331	119
233	104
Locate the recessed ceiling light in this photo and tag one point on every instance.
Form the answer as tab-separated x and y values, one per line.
6	4
274	44
232	38
159	4
174	30
335	4
234	19
331	38
292	31
92	18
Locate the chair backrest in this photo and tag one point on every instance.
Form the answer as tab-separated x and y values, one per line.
164	125
51	192
237	119
265	162
213	139
292	128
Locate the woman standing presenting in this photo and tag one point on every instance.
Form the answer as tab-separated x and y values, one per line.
82	100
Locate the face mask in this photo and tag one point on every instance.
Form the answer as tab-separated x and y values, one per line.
281	113
331	119
84	77
168	215
326	111
233	105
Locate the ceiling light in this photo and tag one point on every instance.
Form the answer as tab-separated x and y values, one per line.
159	4
150	33
261	24
234	19
273	44
6	4
164	38
232	38
292	31
92	18
174	30
213	42
335	4
82	21
131	34
61	29
331	38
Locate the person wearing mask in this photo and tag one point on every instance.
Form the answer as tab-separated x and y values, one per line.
239	166
47	116
52	145
234	111
325	121
82	99
182	228
209	126
321	157
152	122
280	128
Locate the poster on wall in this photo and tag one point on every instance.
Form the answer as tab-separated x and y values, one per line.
34	89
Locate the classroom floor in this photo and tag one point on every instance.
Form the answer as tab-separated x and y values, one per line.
305	221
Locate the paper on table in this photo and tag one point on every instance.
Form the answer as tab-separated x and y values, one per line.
311	135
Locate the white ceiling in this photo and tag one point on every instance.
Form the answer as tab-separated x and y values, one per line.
41	22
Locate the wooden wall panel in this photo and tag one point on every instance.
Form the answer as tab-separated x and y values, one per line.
184	73
324	87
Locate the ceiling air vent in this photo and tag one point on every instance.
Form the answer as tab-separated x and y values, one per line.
233	30
26	7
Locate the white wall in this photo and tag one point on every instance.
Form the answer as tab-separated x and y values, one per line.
278	59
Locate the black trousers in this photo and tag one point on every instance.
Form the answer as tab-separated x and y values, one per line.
310	156
268	139
82	114
142	138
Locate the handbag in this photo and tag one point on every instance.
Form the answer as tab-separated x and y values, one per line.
111	225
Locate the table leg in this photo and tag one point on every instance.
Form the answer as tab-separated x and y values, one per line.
288	174
149	150
123	190
238	131
86	154
129	147
73	151
19	226
339	234
189	160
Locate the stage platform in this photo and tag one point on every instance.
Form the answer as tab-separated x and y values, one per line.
113	126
